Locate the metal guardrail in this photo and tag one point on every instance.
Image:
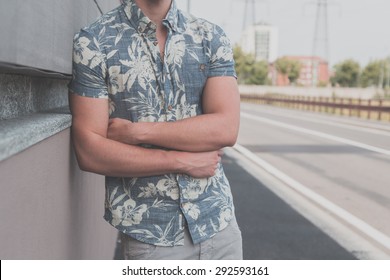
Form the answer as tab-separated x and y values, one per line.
371	108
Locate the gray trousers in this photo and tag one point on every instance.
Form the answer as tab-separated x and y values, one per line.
225	245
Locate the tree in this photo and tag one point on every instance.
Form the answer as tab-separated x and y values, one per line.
290	69
258	74
371	74
376	73
295	71
249	71
346	73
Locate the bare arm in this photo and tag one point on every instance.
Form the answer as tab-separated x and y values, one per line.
215	129
96	153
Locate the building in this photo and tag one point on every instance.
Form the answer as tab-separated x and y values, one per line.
261	40
314	72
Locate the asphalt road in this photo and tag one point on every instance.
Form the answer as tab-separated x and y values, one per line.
271	229
342	163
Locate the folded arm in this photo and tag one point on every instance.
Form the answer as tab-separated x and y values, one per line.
96	153
215	129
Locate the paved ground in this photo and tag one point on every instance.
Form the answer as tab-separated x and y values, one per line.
271	229
345	161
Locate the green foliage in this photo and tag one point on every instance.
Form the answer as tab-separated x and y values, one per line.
375	73
288	67
249	71
371	74
346	73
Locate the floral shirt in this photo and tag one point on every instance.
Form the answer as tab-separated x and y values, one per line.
118	58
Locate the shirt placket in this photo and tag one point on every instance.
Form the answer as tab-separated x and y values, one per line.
164	81
161	68
167	82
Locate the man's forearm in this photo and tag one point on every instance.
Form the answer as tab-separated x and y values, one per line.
100	155
216	128
207	132
110	158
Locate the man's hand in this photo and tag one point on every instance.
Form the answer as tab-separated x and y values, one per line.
124	131
200	165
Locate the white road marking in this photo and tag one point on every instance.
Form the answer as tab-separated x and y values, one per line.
347	217
319	119
317	133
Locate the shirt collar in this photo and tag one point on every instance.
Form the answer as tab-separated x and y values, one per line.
142	23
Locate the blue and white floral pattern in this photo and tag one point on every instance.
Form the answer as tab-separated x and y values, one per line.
118	58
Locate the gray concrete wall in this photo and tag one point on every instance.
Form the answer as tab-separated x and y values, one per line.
49	209
22	95
38	33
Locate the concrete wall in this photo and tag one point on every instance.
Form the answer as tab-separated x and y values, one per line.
22	95
38	33
49	209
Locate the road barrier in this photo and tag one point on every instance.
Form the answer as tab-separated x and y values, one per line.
376	109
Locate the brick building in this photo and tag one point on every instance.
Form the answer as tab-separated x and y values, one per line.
314	72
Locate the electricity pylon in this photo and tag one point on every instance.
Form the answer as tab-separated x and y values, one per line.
320	40
321	33
250	12
249	4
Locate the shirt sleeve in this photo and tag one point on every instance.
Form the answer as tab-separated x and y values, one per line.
88	67
221	60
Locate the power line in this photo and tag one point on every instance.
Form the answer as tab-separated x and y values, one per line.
98	6
388	74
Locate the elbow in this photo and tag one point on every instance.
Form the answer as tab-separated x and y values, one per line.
89	165
86	160
86	147
230	141
85	166
228	138
231	135
85	163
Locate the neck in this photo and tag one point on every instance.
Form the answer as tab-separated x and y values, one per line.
155	10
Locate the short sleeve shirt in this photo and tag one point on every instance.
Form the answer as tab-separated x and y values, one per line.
117	58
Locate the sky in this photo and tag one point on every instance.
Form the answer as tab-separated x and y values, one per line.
357	29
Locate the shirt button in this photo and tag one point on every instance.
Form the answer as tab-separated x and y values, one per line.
170	107
155	43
